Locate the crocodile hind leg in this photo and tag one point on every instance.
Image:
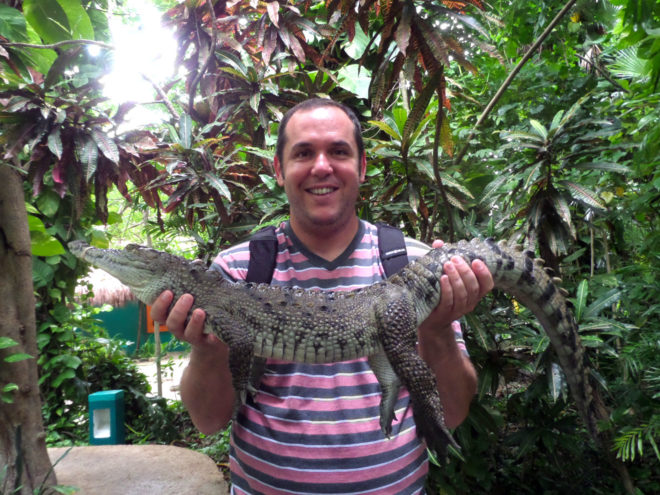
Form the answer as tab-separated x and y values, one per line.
397	328
389	386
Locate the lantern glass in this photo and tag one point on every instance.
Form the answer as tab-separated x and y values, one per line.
101	423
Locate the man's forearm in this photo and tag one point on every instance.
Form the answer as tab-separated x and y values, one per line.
455	375
206	389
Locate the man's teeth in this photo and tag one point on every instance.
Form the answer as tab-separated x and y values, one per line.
321	190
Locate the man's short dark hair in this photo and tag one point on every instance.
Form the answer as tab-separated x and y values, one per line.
310	105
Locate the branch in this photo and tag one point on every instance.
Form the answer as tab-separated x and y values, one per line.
161	93
511	76
603	73
59	44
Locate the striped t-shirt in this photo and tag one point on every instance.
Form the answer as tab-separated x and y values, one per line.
314	428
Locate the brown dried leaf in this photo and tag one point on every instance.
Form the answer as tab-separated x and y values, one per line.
402	34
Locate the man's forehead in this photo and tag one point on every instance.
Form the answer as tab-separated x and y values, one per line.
302	142
327	123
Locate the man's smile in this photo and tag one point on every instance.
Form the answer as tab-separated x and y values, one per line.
320	191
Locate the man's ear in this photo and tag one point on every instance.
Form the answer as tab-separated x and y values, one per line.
279	175
363	167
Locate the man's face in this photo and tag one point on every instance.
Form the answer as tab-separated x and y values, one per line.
321	169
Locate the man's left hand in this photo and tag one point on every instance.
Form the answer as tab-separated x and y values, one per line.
463	286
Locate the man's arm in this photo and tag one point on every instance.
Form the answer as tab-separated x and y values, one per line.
206	386
462	287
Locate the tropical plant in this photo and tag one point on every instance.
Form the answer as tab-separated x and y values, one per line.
578	181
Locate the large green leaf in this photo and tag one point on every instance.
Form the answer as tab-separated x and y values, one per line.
44	244
539	128
355	49
583	194
581	299
88	154
12	24
355	79
79	23
603	302
384	126
55	143
14	27
218	184
48	19
6	342
607	166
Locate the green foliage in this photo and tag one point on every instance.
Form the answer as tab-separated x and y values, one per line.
95	363
6	394
568	164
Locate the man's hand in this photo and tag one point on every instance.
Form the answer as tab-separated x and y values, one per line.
463	286
206	384
191	329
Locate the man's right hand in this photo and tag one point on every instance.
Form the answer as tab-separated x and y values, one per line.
179	320
206	384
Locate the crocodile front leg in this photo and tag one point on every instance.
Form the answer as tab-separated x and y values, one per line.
397	326
241	360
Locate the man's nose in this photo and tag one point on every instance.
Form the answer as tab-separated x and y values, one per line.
321	165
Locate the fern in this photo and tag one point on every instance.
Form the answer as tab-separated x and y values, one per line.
630	442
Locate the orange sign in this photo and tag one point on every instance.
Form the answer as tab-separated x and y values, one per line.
150	323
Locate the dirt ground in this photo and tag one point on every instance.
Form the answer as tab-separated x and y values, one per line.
172	365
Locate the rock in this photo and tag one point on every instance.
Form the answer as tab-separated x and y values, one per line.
137	469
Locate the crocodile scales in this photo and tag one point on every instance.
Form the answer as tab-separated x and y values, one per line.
259	321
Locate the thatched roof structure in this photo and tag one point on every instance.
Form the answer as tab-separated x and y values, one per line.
106	289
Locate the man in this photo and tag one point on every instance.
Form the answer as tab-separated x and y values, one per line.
315	428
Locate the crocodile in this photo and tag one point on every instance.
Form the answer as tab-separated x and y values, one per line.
259	321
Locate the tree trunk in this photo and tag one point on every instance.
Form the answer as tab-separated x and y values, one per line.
23	451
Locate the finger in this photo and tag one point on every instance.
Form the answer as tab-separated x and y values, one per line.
458	273
176	320
438	243
161	306
477	281
447	299
194	331
484	277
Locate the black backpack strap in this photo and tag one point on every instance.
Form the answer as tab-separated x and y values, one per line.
392	247
263	254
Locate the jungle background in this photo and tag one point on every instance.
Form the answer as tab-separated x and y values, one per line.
564	162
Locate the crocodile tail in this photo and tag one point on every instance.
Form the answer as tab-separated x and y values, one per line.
526	278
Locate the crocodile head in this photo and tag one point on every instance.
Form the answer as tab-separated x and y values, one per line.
143	270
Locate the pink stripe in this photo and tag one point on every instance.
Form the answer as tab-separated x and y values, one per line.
224	258
364	254
317	405
322	382
320	477
346	272
322	451
235	468
305	428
